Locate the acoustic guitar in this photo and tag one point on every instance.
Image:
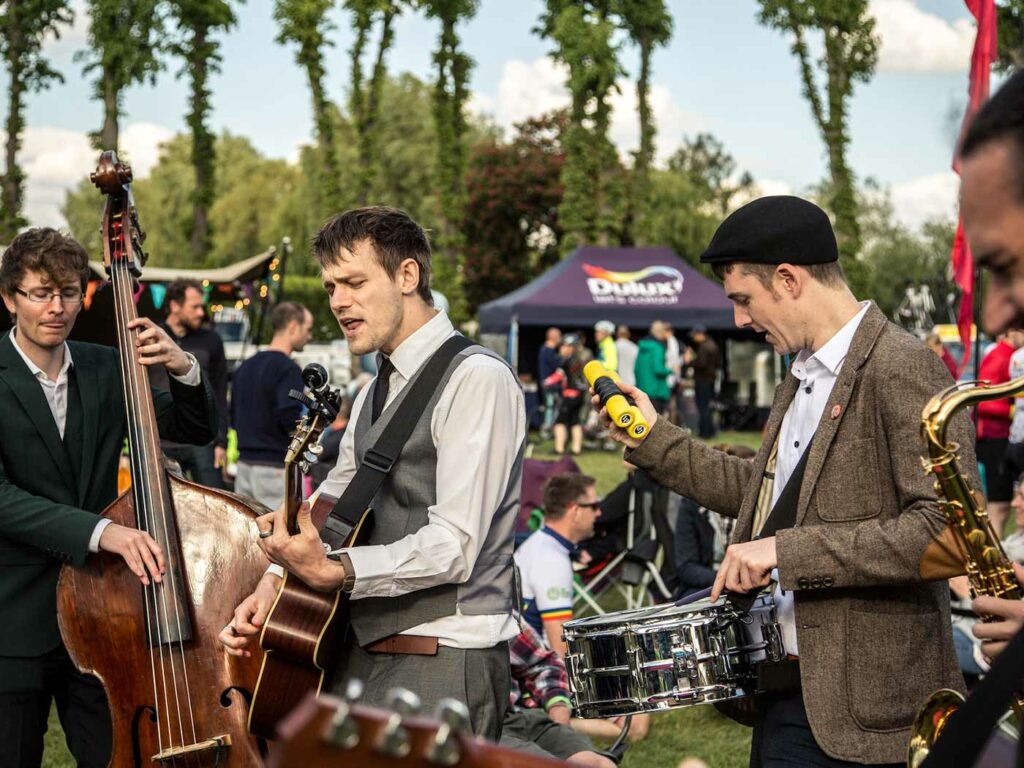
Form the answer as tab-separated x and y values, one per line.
304	628
332	731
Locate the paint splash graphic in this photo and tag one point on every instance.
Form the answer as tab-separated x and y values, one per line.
631	277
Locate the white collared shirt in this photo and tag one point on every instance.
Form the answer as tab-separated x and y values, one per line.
478	428
56	394
817	374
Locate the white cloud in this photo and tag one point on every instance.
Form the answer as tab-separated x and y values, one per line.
928	197
530	89
916	41
74	35
55	160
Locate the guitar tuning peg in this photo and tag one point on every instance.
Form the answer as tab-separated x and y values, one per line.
454	718
354	690
343	731
394	739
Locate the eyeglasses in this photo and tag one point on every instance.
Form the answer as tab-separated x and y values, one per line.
68	296
589	504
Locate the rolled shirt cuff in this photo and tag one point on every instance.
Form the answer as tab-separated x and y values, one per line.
556	700
193	377
97	532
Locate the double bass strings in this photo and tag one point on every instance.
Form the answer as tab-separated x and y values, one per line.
145	501
141	516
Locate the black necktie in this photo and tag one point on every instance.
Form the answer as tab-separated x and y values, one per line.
380	387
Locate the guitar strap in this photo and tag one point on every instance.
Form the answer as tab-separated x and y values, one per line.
379	460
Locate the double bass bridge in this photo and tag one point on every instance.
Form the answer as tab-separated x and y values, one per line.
214	747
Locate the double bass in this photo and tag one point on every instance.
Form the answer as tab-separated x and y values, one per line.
175	698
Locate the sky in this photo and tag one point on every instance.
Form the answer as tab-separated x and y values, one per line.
722	72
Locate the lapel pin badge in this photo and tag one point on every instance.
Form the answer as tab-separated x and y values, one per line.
836	410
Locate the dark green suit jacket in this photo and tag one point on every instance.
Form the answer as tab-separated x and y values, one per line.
52	490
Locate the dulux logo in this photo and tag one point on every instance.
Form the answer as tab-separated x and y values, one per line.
608	287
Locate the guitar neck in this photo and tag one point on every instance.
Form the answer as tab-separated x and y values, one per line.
293	496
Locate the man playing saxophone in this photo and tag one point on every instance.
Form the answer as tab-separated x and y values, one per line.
992	202
861	549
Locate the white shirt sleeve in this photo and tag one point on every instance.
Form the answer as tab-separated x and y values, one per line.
192	377
478	426
97	532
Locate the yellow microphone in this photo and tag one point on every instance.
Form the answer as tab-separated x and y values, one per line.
620	407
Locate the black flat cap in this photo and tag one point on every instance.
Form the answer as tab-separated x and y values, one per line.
778	229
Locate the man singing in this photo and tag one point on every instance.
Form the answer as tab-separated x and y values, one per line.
433	592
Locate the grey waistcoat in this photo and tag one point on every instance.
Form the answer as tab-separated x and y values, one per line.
400	509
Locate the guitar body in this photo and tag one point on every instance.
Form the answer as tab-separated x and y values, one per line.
300	640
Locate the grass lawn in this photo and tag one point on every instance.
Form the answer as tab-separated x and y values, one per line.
695	732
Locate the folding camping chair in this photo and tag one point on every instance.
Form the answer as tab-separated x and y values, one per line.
636	571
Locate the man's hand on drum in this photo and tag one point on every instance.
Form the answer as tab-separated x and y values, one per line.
746	567
1007	621
617	433
249	616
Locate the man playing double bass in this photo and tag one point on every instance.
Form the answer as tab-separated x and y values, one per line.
432	593
61	432
835	504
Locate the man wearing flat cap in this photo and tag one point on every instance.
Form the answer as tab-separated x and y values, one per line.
835	507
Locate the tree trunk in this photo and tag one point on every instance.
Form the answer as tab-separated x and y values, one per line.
330	186
10	216
644	156
367	138
110	133
837	139
202	149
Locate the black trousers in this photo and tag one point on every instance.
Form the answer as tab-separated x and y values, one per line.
704	392
197	463
783	739
27	689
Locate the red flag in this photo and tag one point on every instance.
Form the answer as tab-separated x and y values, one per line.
985	49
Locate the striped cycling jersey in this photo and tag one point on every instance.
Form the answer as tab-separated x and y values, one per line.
546	573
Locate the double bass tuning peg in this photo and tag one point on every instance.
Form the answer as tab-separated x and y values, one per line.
394	739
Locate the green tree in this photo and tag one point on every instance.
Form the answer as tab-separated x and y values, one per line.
365	97
692	195
305	23
252	210
593	204
451	89
24	25
510	223
850	52
125	43
1010	16
198	22
892	249
649	25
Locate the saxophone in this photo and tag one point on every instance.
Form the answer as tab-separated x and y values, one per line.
989	571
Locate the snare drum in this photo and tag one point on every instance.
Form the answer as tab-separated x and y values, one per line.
669	656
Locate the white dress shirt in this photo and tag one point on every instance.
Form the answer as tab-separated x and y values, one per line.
478	428
817	374
56	394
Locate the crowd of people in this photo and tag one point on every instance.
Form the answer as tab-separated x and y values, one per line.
672	375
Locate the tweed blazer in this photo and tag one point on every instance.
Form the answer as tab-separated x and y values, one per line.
870	550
